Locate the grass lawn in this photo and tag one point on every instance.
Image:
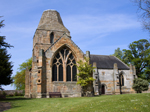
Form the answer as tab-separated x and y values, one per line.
111	103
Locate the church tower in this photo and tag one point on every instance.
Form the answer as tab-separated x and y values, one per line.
54	58
49	30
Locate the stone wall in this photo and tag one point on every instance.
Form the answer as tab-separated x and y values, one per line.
67	89
12	92
109	80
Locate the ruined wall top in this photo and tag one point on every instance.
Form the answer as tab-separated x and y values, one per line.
51	20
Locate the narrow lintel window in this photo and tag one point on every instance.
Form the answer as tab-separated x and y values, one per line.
121	79
52	38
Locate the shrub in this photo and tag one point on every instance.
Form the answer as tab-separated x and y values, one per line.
16	93
140	85
4	93
10	95
20	94
85	76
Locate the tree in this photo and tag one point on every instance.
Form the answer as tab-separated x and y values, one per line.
19	78
144	10
5	64
140	85
85	78
147	73
139	55
119	54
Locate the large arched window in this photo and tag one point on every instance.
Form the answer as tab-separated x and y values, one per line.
64	68
121	79
52	37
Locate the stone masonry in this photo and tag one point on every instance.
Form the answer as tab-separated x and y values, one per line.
54	55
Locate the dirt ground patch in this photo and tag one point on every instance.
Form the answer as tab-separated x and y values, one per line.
4	106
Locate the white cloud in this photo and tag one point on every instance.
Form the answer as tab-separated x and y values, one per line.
92	30
100	23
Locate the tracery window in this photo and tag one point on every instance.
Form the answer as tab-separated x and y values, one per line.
121	78
64	68
52	37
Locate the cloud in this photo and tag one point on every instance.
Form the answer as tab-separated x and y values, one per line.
101	23
95	30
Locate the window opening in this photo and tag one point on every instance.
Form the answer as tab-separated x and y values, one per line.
68	73
60	73
64	64
54	75
121	80
52	37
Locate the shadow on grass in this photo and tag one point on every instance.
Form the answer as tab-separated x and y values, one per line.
15	99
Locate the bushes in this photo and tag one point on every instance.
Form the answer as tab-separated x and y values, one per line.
140	85
2	95
18	94
12	93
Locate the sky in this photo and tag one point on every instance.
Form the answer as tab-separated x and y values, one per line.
98	26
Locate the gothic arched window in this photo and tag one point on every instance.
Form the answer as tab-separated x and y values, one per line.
64	68
121	79
52	37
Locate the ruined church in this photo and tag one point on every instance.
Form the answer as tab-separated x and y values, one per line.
54	56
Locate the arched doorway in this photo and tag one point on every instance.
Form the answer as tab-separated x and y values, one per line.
103	89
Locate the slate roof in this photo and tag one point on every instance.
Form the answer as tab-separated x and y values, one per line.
107	62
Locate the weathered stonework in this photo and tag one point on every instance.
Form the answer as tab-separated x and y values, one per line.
52	38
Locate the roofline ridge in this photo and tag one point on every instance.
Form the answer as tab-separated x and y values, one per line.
122	62
100	55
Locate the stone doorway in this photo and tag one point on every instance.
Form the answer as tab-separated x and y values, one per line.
103	89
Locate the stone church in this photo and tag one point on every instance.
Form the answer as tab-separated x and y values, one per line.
54	57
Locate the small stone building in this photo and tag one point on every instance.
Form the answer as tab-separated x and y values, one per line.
54	58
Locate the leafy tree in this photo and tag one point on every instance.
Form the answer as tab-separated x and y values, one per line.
19	78
139	55
119	54
147	73
144	11
5	64
85	78
140	85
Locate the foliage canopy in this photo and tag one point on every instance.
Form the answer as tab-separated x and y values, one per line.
85	72
5	64
138	54
19	78
140	85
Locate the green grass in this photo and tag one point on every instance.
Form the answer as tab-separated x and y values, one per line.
111	103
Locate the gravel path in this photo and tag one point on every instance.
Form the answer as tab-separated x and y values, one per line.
4	106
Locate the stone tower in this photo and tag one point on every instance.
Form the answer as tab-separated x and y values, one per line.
50	37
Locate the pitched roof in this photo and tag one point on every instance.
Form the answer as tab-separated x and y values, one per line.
107	62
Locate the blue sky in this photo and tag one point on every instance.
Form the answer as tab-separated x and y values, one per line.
100	26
